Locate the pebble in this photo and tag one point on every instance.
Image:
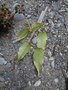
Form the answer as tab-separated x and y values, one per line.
37	83
66	2
8	65
66	21
28	16
51	59
61	54
1	54
29	83
52	64
2	61
56	80
51	14
34	40
49	53
1	68
18	17
1	79
2	84
67	46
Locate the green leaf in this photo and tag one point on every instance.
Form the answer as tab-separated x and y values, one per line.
38	58
23	33
41	40
23	50
36	26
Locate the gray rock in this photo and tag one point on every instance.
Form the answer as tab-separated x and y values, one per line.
34	40
8	65
52	64
28	16
66	21
1	69
2	84
56	80
2	79
49	53
18	17
56	5
51	59
2	61
66	2
51	14
29	83
37	83
1	54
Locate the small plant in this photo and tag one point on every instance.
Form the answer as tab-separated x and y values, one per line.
38	55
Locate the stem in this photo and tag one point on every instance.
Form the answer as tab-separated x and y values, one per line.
26	20
39	20
32	34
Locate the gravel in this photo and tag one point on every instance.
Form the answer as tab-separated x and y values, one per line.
23	76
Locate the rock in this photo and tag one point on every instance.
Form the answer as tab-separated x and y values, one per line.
8	65
2	61
1	79
52	64
61	54
1	54
51	23
51	59
49	53
66	2
1	69
2	84
51	14
56	5
28	16
18	17
66	21
34	40
56	80
37	83
29	83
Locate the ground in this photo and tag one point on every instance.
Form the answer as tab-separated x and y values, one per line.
23	76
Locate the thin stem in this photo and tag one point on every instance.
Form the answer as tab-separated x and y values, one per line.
32	34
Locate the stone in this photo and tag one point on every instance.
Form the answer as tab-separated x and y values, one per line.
1	69
66	2
2	84
52	64
28	16
51	59
49	53
66	21
2	61
37	83
29	83
56	80
51	14
2	79
18	17
8	65
34	40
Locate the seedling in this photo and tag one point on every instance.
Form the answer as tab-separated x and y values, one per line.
38	55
